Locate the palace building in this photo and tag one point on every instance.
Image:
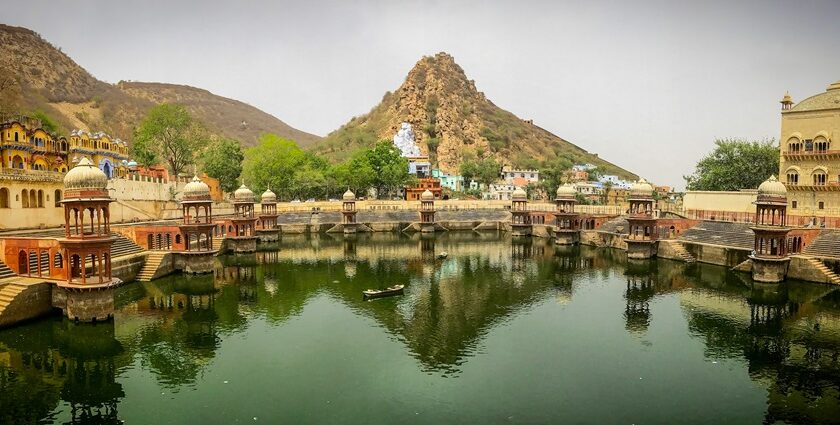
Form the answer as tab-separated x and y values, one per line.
26	145
809	164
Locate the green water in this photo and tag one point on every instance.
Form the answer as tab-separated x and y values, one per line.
501	331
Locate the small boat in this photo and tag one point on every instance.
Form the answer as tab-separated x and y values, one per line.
387	292
443	255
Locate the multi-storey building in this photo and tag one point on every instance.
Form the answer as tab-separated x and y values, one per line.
809	162
110	155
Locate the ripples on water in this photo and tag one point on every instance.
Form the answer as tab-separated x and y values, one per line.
500	331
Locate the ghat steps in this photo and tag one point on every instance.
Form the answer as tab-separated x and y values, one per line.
122	245
826	244
680	250
150	266
737	235
829	275
8	294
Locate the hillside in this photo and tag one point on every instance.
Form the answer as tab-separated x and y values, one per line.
450	116
35	75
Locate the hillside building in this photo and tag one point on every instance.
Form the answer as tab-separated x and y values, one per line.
519	177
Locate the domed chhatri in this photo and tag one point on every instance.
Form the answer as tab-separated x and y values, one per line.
196	190
641	188
348	196
427	196
86	176
519	194
268	197
243	194
772	186
566	190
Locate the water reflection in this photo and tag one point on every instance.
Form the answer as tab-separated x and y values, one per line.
787	336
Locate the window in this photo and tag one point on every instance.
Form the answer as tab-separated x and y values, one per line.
820	144
57	198
821	205
793	178
793	205
4	198
819	179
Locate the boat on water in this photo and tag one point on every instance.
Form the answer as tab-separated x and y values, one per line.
443	255
387	292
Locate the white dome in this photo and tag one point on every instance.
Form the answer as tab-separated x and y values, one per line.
641	188
427	195
243	194
519	194
85	176
268	197
566	190
348	196
772	187
196	190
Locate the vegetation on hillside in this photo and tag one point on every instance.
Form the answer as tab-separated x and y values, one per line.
735	164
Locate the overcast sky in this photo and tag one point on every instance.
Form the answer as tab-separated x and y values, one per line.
648	85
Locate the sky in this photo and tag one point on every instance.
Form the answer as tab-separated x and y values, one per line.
648	85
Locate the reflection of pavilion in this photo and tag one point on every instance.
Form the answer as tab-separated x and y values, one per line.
73	362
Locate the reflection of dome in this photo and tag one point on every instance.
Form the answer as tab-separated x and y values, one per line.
196	190
772	186
641	188
85	176
243	194
268	197
348	196
566	190
427	195
519	194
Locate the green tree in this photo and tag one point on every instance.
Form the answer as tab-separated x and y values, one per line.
487	171
170	133
390	169
276	162
553	174
222	160
735	164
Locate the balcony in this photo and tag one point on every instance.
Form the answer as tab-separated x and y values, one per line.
31	175
806	155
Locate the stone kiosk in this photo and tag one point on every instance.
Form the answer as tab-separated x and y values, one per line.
267	230
87	292
770	258
641	239
567	230
243	238
427	212
348	212
197	228
520	220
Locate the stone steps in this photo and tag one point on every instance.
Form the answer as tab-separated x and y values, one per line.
826	244
682	253
830	275
153	260
8	294
738	235
5	271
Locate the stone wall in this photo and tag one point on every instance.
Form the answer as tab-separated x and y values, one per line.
717	254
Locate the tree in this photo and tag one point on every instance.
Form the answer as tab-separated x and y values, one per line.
274	162
735	164
390	169
47	123
487	171
222	160
170	133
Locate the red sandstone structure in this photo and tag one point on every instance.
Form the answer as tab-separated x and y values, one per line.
567	231
770	256
348	212
642	237
427	212
520	220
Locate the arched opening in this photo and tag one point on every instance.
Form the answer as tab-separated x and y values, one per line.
159	241
57	197
168	241
44	264
33	263
33	199
23	263
821	144
819	178
107	169
58	261
4	197
75	266
178	239
24	198
17	161
40	198
150	242
792	178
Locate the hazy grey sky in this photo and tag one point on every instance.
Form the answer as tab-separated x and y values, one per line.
646	84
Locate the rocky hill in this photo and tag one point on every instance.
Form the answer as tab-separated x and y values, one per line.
35	75
452	119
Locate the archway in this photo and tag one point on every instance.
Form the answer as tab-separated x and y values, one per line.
17	162
23	263
4	197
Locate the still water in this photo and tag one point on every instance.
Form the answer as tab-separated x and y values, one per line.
501	331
